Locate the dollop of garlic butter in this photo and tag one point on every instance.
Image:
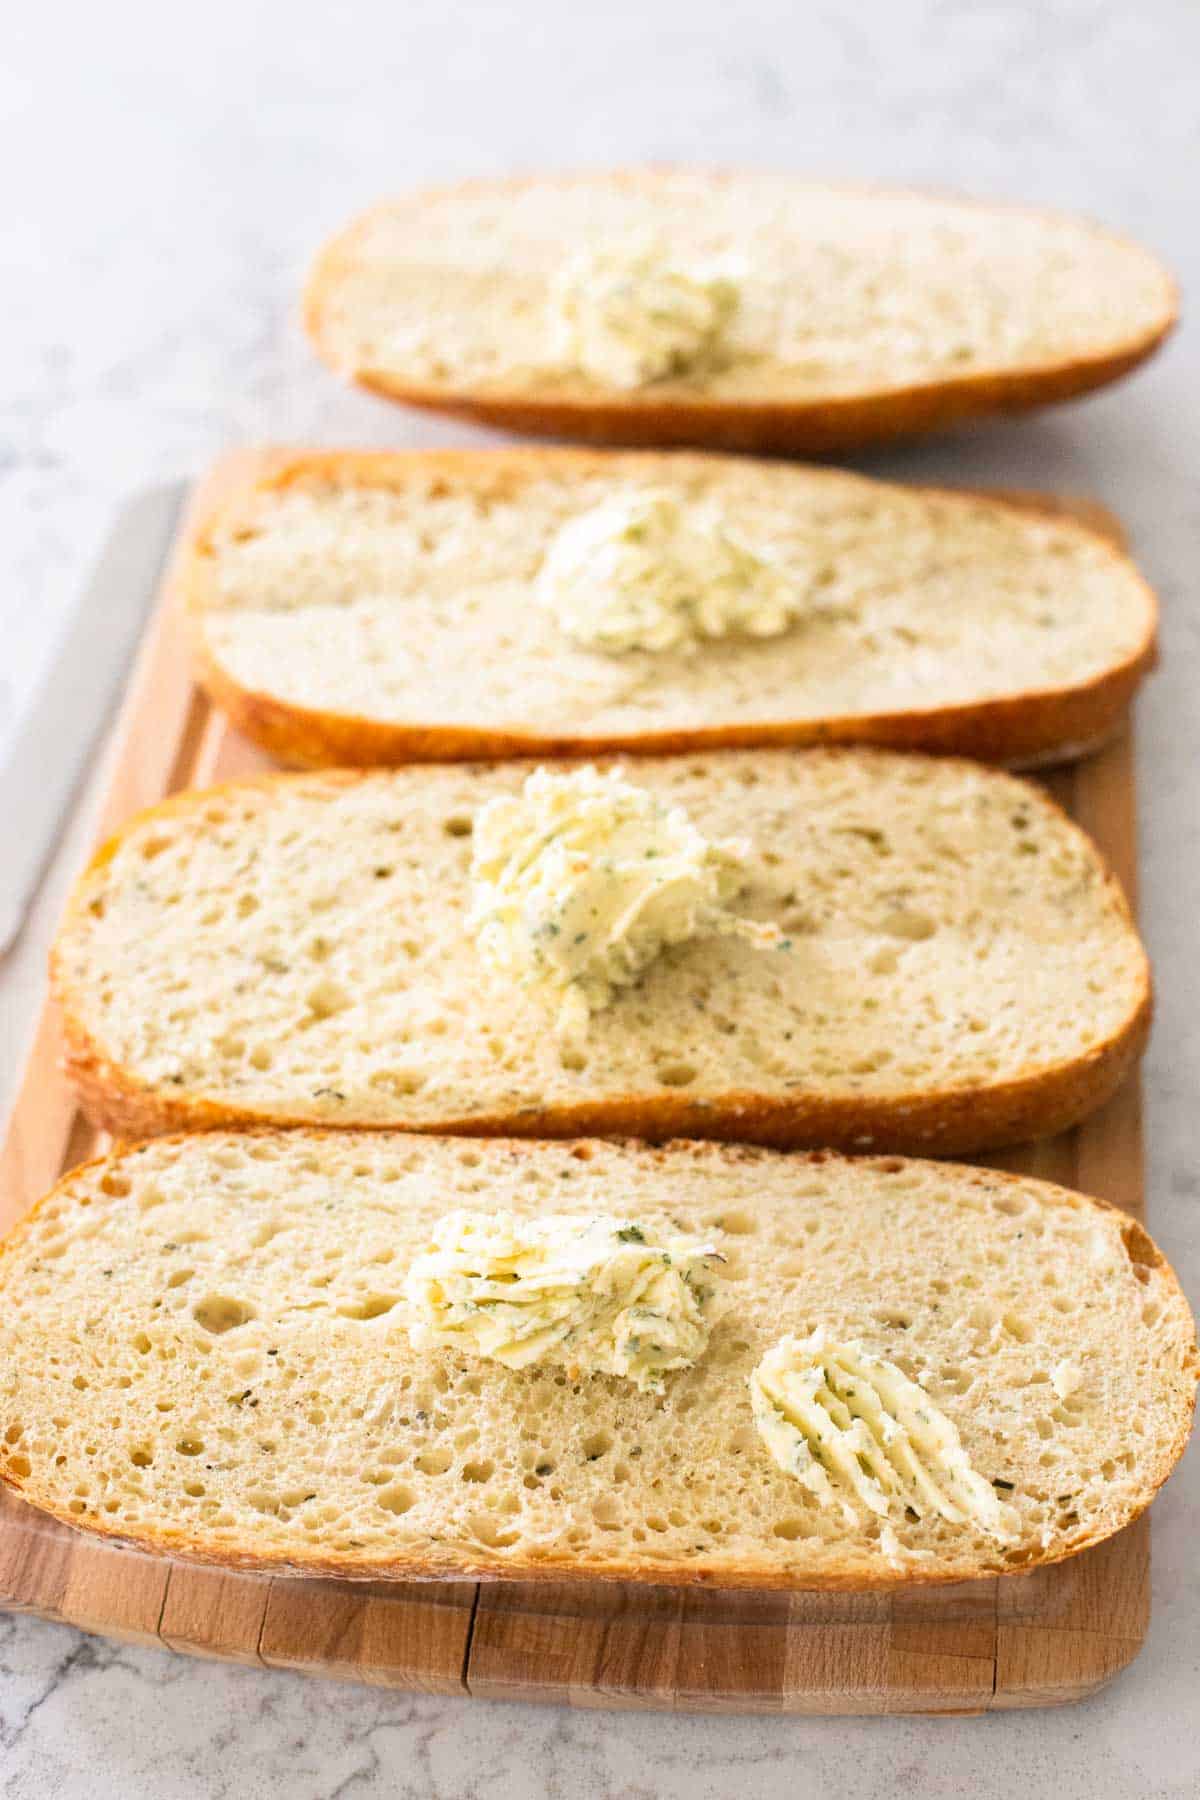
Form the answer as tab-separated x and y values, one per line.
592	1295
644	570
582	879
859	1434
626	314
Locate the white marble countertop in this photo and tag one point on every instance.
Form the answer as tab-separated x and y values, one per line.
169	176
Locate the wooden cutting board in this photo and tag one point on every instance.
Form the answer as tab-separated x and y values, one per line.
1021	1640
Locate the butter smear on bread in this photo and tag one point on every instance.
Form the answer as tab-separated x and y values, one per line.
581	880
627	314
597	1296
646	570
860	1435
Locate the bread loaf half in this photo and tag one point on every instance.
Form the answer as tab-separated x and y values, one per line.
204	1349
862	313
356	608
956	969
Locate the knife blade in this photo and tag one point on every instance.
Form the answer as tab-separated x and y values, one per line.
44	757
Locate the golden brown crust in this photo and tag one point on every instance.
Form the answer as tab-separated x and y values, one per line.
946	1122
1036	726
939	1122
662	418
440	1564
837	425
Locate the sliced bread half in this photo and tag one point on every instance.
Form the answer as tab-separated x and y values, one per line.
859	314
957	969
357	608
204	1349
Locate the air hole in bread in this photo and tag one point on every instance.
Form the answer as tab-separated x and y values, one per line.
1138	1246
908	924
371	1306
327	998
1012	1205
478	1471
219	1313
190	1446
488	1531
957	1381
597	1445
677	1074
736	1221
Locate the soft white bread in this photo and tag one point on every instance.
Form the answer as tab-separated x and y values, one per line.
959	970
866	313
356	608
203	1349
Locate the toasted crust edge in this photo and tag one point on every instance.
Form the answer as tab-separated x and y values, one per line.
1026	728
941	1122
817	426
179	1543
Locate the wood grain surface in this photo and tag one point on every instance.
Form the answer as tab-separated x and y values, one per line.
1021	1640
